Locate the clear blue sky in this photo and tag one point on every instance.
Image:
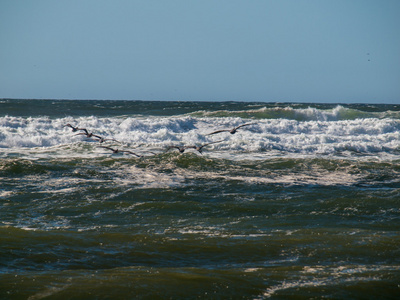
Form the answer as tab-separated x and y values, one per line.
248	50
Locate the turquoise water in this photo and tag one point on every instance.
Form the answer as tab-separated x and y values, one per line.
303	203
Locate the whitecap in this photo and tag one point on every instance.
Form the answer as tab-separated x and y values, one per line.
370	136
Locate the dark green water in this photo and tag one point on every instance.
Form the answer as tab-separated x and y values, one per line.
303	207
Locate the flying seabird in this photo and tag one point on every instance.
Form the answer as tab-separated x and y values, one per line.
231	131
200	148
89	134
120	151
102	140
74	129
182	149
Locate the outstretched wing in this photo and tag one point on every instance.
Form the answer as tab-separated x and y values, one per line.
109	148
111	140
218	131
98	137
211	143
130	152
200	149
85	130
190	147
244	125
72	127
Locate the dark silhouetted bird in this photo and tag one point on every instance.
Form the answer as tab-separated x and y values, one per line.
231	131
200	148
74	129
121	151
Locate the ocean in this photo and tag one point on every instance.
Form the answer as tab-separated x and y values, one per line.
303	202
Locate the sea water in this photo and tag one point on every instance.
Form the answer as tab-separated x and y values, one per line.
303	202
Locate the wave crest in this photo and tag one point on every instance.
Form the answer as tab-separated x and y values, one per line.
299	114
287	136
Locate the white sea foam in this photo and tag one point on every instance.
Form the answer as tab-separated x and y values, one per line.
370	136
301	114
331	276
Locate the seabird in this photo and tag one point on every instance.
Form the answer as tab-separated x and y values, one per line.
74	129
120	151
88	134
182	149
200	148
102	140
231	131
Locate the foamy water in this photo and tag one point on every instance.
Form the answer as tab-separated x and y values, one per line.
283	137
301	203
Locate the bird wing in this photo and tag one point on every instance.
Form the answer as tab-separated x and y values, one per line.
130	152
107	148
97	136
112	140
244	125
204	145
218	131
85	130
211	143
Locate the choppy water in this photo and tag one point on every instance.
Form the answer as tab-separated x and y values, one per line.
303	203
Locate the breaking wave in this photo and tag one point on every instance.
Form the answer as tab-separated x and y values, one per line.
371	136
